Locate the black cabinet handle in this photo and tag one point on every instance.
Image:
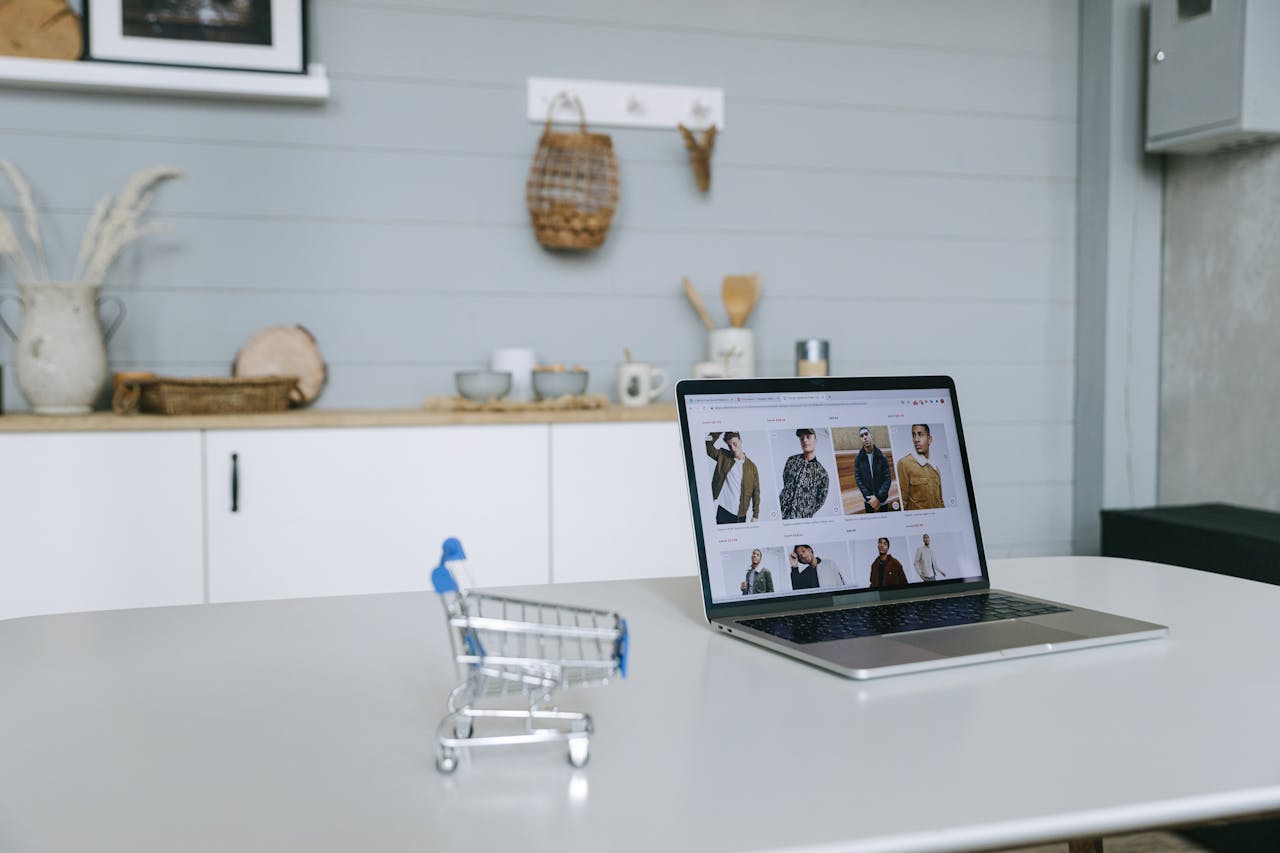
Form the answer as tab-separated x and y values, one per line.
235	482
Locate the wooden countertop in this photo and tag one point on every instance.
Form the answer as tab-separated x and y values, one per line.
316	418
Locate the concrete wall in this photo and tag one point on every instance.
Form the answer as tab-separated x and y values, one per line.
901	174
1221	346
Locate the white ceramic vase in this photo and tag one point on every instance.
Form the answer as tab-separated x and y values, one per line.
60	361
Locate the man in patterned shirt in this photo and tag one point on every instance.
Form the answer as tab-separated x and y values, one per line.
805	482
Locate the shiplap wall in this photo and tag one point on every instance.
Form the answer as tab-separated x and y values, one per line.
901	174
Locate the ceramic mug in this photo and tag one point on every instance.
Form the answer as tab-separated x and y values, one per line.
640	384
519	362
708	370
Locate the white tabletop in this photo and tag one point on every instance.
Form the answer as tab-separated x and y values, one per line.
308	725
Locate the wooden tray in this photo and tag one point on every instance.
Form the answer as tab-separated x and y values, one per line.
164	395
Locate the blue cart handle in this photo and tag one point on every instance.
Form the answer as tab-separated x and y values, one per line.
441	578
623	643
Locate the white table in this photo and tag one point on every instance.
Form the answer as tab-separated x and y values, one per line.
308	725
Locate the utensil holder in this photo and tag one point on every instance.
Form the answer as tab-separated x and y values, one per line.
735	348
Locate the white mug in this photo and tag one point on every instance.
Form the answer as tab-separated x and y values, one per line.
708	370
640	384
519	361
735	348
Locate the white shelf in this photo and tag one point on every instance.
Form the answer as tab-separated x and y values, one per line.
164	80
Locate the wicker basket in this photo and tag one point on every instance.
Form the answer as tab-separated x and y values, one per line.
216	396
572	189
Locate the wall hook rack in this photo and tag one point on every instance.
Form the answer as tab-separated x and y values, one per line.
627	104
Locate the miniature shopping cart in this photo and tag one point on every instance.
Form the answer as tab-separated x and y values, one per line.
508	647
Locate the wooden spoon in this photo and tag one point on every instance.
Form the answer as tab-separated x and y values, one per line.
740	294
695	299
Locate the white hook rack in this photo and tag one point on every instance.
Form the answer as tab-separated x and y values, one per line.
627	104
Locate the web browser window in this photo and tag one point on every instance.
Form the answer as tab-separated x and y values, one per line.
830	491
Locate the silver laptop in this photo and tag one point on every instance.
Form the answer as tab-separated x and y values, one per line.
836	523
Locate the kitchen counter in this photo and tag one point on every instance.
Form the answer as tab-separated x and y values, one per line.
305	418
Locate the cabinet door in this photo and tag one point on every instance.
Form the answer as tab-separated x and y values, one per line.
1195	65
619	503
98	521
345	511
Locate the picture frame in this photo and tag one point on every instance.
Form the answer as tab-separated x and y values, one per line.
243	35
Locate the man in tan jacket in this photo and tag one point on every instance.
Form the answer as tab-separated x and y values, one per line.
735	484
919	479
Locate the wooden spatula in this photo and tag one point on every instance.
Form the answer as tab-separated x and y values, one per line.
695	299
740	294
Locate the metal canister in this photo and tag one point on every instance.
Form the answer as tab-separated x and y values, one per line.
812	357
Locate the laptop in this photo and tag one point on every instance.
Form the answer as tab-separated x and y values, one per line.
835	523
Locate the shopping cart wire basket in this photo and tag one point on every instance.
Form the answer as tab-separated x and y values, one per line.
508	647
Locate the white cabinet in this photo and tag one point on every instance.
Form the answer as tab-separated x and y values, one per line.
102	520
359	510
99	521
619	502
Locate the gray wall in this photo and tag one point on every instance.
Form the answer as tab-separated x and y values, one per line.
1117	404
901	174
1221	345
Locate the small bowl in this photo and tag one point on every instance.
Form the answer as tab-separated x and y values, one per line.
482	385
549	384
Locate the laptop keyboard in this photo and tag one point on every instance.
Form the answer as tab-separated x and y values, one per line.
898	617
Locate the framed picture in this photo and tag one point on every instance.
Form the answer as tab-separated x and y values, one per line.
247	35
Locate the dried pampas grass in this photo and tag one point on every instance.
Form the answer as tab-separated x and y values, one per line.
112	227
12	249
23	190
117	225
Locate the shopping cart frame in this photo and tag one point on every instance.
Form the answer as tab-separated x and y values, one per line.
513	647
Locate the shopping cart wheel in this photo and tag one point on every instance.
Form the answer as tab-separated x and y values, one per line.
579	751
446	759
462	727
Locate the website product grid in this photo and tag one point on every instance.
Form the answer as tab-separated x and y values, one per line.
807	492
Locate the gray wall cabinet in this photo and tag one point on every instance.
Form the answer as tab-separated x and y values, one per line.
1213	74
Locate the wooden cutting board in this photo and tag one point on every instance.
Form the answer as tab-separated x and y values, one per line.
39	29
285	351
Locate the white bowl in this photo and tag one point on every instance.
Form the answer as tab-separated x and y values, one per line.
549	384
483	385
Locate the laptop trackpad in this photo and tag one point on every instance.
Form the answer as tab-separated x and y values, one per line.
976	639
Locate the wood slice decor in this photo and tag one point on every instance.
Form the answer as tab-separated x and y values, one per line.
285	351
39	29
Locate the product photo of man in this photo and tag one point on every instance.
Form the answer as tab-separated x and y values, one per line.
926	562
827	572
806	578
758	579
735	483
919	478
872	471
886	571
805	482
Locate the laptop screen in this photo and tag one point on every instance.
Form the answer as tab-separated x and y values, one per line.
805	488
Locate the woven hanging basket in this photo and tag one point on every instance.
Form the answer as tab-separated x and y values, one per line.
572	189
